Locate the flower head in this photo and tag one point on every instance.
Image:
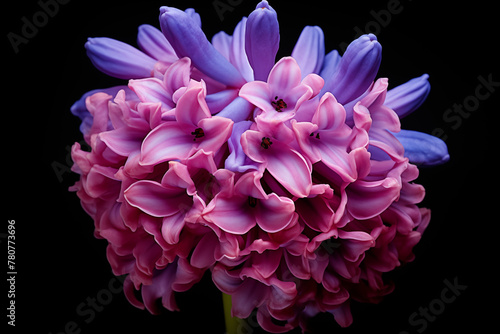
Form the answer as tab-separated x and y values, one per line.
290	181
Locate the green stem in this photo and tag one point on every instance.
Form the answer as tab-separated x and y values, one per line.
232	323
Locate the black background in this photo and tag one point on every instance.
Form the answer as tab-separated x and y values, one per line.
60	264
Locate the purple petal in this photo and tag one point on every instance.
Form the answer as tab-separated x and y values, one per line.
407	97
194	16
238	55
423	149
237	161
188	40
357	69
238	110
154	44
222	43
330	64
309	52
118	59
218	101
262	39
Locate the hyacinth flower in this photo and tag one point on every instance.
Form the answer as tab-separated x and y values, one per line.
289	180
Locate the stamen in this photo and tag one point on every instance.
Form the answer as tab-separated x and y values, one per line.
252	201
198	133
266	142
317	135
278	105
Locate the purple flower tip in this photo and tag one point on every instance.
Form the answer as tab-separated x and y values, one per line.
118	59
357	69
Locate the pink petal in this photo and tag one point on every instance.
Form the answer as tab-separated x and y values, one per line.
217	131
169	141
333	152
249	185
258	94
343	315
177	75
203	254
177	177
102	183
286	165
226	282
231	214
316	213
303	132
155	199
330	114
266	263
249	295
315	82
161	288
367	199
298	266
275	213
171	228
296	96
382	116
151	90
192	107
359	242
123	141
284	76
97	105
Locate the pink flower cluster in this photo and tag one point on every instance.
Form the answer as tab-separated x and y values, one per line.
297	204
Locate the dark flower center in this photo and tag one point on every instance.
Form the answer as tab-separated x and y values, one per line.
317	135
252	201
266	142
328	247
198	133
278	105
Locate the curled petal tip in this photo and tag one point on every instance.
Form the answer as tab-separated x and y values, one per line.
118	59
407	97
188	40
357	69
262	39
423	149
264	4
